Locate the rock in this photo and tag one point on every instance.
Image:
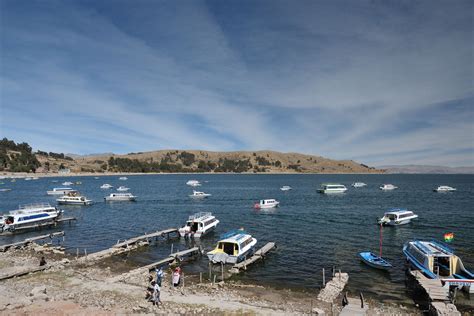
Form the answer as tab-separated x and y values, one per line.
318	311
65	261
38	290
143	305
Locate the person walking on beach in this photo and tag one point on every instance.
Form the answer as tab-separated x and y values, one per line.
156	293
177	277
159	275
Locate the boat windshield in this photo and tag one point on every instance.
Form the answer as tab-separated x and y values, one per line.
229	248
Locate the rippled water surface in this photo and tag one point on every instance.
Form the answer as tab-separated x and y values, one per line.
311	230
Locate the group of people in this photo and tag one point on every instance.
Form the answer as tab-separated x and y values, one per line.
154	291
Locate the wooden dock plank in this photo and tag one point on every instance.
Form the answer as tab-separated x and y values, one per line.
145	237
259	254
23	272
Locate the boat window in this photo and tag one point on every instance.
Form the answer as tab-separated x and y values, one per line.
236	249
221	246
391	216
229	248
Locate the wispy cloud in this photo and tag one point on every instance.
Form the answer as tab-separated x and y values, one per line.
378	82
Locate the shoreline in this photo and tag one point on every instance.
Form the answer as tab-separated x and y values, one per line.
71	288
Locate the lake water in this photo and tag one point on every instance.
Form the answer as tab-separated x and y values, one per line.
312	231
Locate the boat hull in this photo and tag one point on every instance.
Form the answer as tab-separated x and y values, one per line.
374	261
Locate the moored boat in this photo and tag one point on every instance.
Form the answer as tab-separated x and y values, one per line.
74	198
59	191
444	188
193	183
374	261
330	188
67	183
198	225
106	186
268	203
123	178
397	217
286	188
120	197
233	247
437	260
199	195
358	184
28	215
388	187
122	188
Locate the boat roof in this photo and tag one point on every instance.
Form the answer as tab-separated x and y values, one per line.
200	216
331	184
54	189
398	211
31	208
432	248
235	236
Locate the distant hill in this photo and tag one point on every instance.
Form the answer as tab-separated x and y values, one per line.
427	169
209	161
20	158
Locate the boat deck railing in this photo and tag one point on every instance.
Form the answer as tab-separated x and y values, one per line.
33	205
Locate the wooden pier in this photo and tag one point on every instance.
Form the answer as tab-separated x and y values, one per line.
334	287
27	241
258	255
128	245
176	256
354	307
439	297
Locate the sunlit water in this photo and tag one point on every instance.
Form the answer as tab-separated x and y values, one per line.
311	230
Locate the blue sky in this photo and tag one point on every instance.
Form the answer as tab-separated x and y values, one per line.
380	82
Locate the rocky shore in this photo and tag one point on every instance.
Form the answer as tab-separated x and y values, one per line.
68	287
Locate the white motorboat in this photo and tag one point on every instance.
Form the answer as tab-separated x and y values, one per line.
268	203
444	188
194	183
199	195
397	217
106	186
388	187
28	215
330	188
28	179
123	178
233	247
74	198
198	225
437	260
59	191
97	178
120	197
123	189
358	184
67	183
286	188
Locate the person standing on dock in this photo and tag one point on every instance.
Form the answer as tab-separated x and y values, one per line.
156	293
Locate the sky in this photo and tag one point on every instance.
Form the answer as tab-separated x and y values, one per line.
378	82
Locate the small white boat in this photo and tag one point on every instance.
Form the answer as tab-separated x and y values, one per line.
35	178
28	179
67	183
397	217
74	198
194	183
28	215
330	188
97	178
199	195
388	187
123	189
233	247
358	184
198	225
120	197
286	188
59	191
106	186
5	190
123	178
268	203
444	188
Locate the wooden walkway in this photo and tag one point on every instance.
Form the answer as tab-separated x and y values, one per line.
432	287
23	272
176	256
127	245
354	308
30	240
258	255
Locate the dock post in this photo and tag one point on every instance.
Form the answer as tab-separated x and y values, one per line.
361	300
200	277
214	280
210	272
171	248
324	278
77	253
85	252
339	274
222	271
333	271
